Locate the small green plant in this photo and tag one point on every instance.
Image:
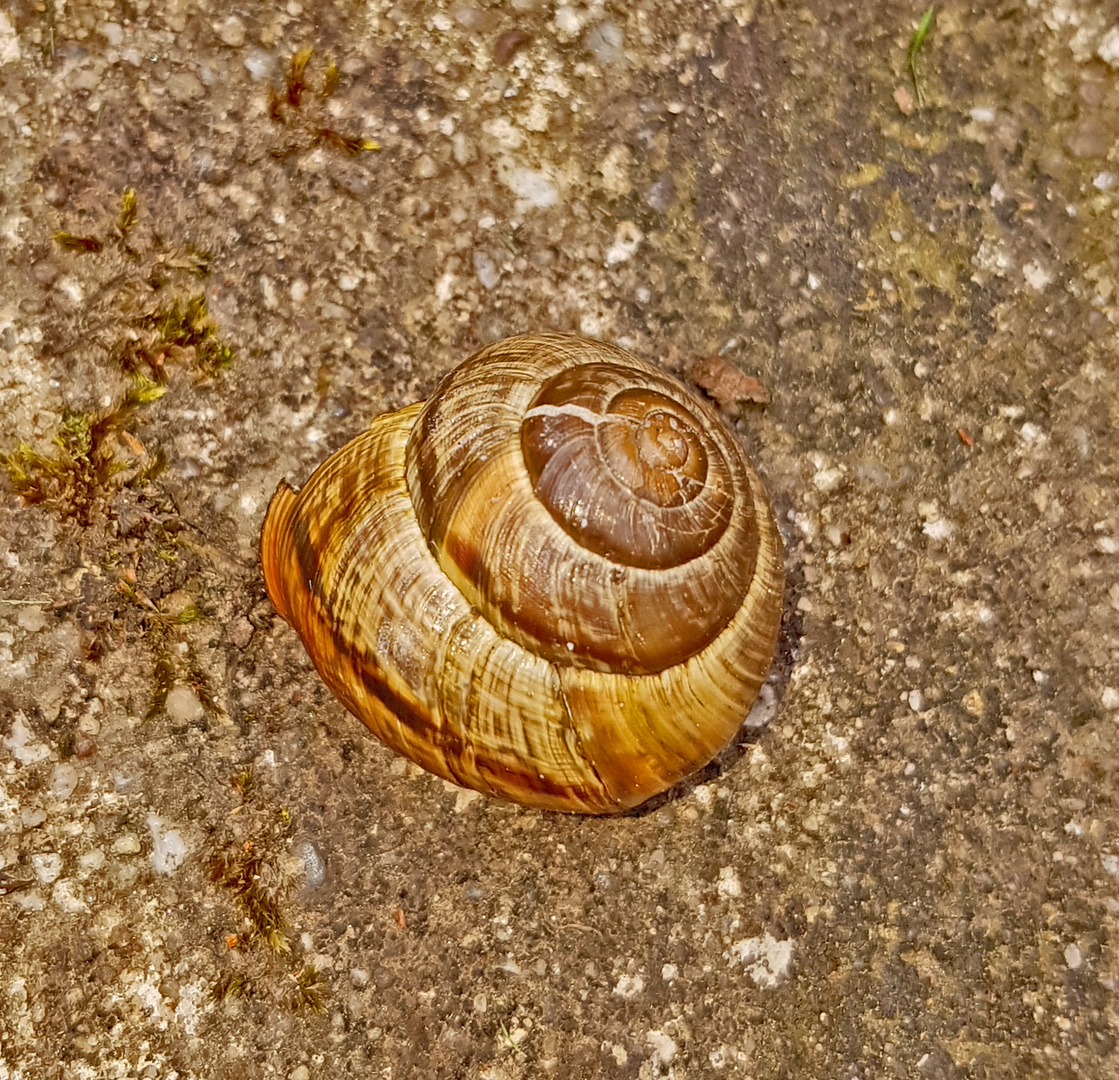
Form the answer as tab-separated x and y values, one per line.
309	992
84	465
85	245
181	329
233	984
81	468
163	680
301	109
129	211
243	782
200	683
915	43
258	886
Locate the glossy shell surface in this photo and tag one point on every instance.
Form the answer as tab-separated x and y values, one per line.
557	581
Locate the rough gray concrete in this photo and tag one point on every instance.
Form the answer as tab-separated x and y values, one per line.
912	872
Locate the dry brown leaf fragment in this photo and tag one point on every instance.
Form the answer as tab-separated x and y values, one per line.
134	445
509	44
726	383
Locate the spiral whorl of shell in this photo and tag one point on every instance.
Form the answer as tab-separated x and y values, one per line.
557	581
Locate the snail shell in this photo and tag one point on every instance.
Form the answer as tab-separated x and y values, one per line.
557	581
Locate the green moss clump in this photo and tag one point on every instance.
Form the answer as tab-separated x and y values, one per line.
181	329
85	245
301	109
129	210
309	993
163	681
258	886
80	470
233	984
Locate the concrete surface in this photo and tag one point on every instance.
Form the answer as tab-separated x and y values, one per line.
208	870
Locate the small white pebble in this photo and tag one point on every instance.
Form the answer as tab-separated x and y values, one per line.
605	42
627	239
232	32
629	986
425	167
258	63
729	883
1109	697
314	865
1037	276
465	797
62	781
92	860
67	896
71	289
1108	48
168	848
24	747
827	480
1072	957
662	1048
533	188
47	866
766	959
569	21
31	618
487	271
183	705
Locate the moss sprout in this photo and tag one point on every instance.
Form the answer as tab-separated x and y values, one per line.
309	992
258	886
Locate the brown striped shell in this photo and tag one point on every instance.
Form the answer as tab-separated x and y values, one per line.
557	581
